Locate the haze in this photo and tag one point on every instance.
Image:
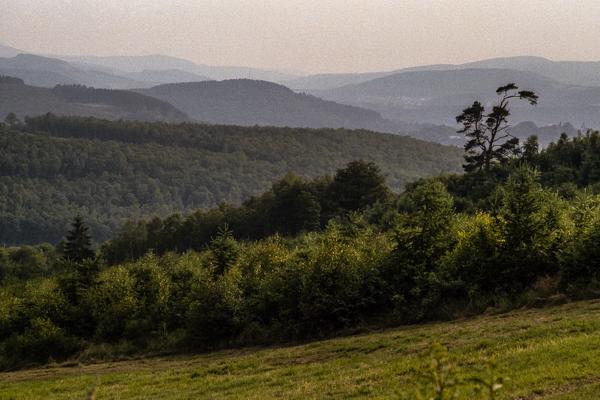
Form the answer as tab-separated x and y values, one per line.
308	35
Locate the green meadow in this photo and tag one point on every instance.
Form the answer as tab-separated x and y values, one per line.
545	353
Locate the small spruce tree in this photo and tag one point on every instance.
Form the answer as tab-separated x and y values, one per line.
78	244
225	249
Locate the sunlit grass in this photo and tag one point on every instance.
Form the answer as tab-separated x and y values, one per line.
549	353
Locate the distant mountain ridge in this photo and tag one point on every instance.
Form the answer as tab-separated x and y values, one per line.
160	62
48	72
583	73
120	72
420	101
437	96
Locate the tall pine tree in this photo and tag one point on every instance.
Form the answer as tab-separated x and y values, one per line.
78	244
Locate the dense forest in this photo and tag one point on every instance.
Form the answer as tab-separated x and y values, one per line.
54	167
23	100
309	258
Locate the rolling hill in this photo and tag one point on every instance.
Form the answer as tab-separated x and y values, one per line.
437	96
583	73
113	171
331	81
248	102
25	100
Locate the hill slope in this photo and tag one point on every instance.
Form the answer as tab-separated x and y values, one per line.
547	354
112	171
25	100
248	102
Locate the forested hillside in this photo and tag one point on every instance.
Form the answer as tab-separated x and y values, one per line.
250	102
25	100
52	168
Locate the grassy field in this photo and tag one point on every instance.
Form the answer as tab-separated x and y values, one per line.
551	353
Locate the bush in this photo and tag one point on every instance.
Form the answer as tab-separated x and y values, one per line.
40	341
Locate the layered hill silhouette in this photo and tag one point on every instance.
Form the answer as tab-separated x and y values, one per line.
437	96
249	102
584	73
49	72
26	100
118	72
162	63
418	101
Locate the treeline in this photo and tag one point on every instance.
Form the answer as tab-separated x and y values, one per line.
292	205
423	261
52	168
124	100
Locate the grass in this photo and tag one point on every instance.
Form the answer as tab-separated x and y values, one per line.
551	353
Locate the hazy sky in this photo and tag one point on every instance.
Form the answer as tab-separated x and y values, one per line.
308	35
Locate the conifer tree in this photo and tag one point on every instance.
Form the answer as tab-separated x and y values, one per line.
225	249
78	244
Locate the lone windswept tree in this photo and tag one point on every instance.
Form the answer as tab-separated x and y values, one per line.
489	141
78	244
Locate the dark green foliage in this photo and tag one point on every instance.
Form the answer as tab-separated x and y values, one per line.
581	263
78	244
358	185
293	205
422	238
296	206
57	167
224	249
27	262
529	221
297	263
575	160
531	149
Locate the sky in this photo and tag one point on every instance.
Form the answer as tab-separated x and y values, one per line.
307	35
